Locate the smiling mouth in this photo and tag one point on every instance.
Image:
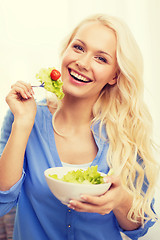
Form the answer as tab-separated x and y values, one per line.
79	77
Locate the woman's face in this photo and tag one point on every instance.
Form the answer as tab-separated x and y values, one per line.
89	62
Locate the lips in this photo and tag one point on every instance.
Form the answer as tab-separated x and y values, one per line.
79	77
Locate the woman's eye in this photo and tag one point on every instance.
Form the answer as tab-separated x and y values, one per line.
78	47
102	59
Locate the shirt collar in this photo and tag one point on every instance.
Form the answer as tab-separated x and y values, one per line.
100	137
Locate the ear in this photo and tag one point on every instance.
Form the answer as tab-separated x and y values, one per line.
115	77
113	80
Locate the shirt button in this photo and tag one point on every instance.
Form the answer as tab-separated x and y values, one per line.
69	225
69	210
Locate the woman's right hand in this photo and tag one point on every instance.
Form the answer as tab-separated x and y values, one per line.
21	102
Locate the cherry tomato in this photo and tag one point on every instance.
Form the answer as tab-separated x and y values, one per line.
55	75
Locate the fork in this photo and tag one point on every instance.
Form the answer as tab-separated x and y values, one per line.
42	85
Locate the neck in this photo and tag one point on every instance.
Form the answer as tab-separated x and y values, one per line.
73	115
77	111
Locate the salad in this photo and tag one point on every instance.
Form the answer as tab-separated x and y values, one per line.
50	80
89	176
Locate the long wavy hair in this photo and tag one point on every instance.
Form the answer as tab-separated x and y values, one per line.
127	120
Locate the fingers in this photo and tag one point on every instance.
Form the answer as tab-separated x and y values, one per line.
86	207
99	201
103	204
24	89
100	204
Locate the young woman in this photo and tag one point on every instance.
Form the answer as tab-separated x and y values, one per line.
102	120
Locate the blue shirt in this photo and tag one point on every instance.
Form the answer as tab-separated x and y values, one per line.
40	216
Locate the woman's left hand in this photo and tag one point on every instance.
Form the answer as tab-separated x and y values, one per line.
114	199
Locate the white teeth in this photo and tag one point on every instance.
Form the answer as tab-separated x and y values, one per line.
80	77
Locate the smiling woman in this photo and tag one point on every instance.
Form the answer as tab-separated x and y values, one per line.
90	60
102	120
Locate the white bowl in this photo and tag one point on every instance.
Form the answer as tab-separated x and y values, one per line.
65	191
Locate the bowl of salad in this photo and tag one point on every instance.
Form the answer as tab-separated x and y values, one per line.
68	183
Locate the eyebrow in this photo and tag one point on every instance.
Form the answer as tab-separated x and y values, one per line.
100	51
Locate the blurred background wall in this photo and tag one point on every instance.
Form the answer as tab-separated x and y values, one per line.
31	33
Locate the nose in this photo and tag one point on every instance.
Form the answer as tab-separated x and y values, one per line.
83	62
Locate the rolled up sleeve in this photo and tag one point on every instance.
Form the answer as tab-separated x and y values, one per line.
141	231
9	198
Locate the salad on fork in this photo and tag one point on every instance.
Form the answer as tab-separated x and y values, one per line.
50	80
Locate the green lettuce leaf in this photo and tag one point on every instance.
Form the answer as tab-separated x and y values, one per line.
89	176
49	84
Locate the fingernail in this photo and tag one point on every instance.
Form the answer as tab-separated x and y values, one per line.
106	180
72	203
30	95
70	206
25	96
83	197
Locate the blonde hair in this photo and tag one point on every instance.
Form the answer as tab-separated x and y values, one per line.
128	123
